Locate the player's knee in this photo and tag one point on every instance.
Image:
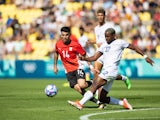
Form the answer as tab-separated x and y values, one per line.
77	88
82	85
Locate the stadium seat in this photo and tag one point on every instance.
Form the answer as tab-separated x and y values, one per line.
158	49
26	16
88	5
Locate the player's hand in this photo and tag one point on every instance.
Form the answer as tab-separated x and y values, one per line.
150	61
81	57
55	70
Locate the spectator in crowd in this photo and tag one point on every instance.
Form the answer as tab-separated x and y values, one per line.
127	15
27	46
2	49
89	48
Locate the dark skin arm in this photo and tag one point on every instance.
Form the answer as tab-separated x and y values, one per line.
92	58
132	47
138	50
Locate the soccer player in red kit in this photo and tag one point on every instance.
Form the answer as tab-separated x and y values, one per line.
69	50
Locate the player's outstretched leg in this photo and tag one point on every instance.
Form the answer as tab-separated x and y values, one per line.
125	79
126	104
128	83
76	104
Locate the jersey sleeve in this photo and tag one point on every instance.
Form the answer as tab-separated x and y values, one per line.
124	44
101	48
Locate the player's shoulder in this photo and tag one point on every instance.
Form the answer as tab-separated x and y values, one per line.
120	41
96	27
104	45
109	24
73	42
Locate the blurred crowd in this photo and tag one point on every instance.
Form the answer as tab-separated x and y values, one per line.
30	28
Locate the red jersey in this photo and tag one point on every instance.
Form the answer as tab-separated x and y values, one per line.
68	54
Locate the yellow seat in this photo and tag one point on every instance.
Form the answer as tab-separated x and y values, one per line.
56	2
157	55
158	49
75	31
145	16
88	5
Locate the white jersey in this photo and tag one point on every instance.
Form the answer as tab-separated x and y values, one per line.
100	31
100	35
89	49
83	40
112	53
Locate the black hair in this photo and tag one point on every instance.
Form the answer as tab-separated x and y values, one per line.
66	29
111	31
101	10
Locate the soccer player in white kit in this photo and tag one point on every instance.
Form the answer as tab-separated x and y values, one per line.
112	52
99	31
90	50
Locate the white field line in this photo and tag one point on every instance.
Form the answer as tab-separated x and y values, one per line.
132	118
86	117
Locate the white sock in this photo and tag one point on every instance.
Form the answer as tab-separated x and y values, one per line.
115	101
121	102
124	77
87	96
96	93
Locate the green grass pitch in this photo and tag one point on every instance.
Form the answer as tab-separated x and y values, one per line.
25	100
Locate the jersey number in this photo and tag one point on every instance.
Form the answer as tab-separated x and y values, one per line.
80	72
65	54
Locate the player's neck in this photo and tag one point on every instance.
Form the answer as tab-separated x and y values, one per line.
109	42
67	42
101	23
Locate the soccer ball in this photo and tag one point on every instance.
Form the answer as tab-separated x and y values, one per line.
51	90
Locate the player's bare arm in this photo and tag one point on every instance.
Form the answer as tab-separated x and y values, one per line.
55	62
138	50
92	58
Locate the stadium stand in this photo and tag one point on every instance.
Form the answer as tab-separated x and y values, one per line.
36	24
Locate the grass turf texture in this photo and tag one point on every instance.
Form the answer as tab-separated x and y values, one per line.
26	100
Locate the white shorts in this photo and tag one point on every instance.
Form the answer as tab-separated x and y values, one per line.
108	75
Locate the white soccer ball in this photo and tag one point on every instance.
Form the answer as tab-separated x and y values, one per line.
51	90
